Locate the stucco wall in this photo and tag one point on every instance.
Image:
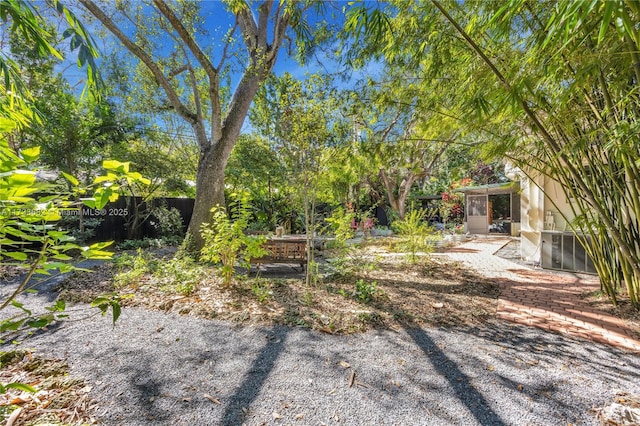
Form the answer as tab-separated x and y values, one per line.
534	205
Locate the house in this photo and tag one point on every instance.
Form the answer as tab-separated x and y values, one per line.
492	208
545	212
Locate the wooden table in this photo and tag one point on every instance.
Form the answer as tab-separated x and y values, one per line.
288	249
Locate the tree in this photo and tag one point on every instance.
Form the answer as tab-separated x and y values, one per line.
193	75
254	166
403	139
302	122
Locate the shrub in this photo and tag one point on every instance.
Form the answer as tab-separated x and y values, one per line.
181	275
169	224
340	223
225	241
366	292
261	289
28	234
413	232
131	268
140	244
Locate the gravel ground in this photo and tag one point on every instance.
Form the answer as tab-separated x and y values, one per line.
153	368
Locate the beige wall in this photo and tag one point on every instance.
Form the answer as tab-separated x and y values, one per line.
535	203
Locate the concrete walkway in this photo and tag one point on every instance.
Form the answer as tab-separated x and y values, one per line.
544	299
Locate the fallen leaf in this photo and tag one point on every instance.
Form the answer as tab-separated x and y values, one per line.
344	364
212	399
17	400
186	399
352	377
299	416
520	387
437	305
276	416
491	368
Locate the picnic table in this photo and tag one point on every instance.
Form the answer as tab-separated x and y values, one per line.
286	249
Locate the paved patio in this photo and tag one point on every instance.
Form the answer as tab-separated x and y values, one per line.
544	299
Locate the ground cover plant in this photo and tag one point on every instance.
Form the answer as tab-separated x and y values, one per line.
383	291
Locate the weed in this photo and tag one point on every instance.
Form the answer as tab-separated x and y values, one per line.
261	289
366	292
371	318
131	268
307	298
180	275
353	262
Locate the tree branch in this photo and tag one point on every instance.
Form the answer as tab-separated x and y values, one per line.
263	20
248	28
161	79
187	38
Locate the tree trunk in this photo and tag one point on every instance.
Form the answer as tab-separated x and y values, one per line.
398	204
214	157
209	192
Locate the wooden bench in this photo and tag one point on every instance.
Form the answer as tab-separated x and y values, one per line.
284	250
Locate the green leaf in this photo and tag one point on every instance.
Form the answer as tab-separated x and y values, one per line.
30	154
101	245
62	256
20	386
8	325
116	165
89	202
43	321
20	306
71	179
17	255
96	254
60	306
22	178
116	310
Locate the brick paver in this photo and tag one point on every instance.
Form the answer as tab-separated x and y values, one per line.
544	299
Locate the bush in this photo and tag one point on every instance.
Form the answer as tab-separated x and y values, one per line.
131	268
340	223
225	241
366	291
413	232
28	222
261	289
181	275
140	244
169	224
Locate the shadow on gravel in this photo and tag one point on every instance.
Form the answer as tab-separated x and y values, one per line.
523	342
459	382
146	386
255	377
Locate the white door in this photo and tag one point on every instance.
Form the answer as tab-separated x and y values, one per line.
477	222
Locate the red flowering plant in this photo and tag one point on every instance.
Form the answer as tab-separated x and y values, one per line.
451	207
